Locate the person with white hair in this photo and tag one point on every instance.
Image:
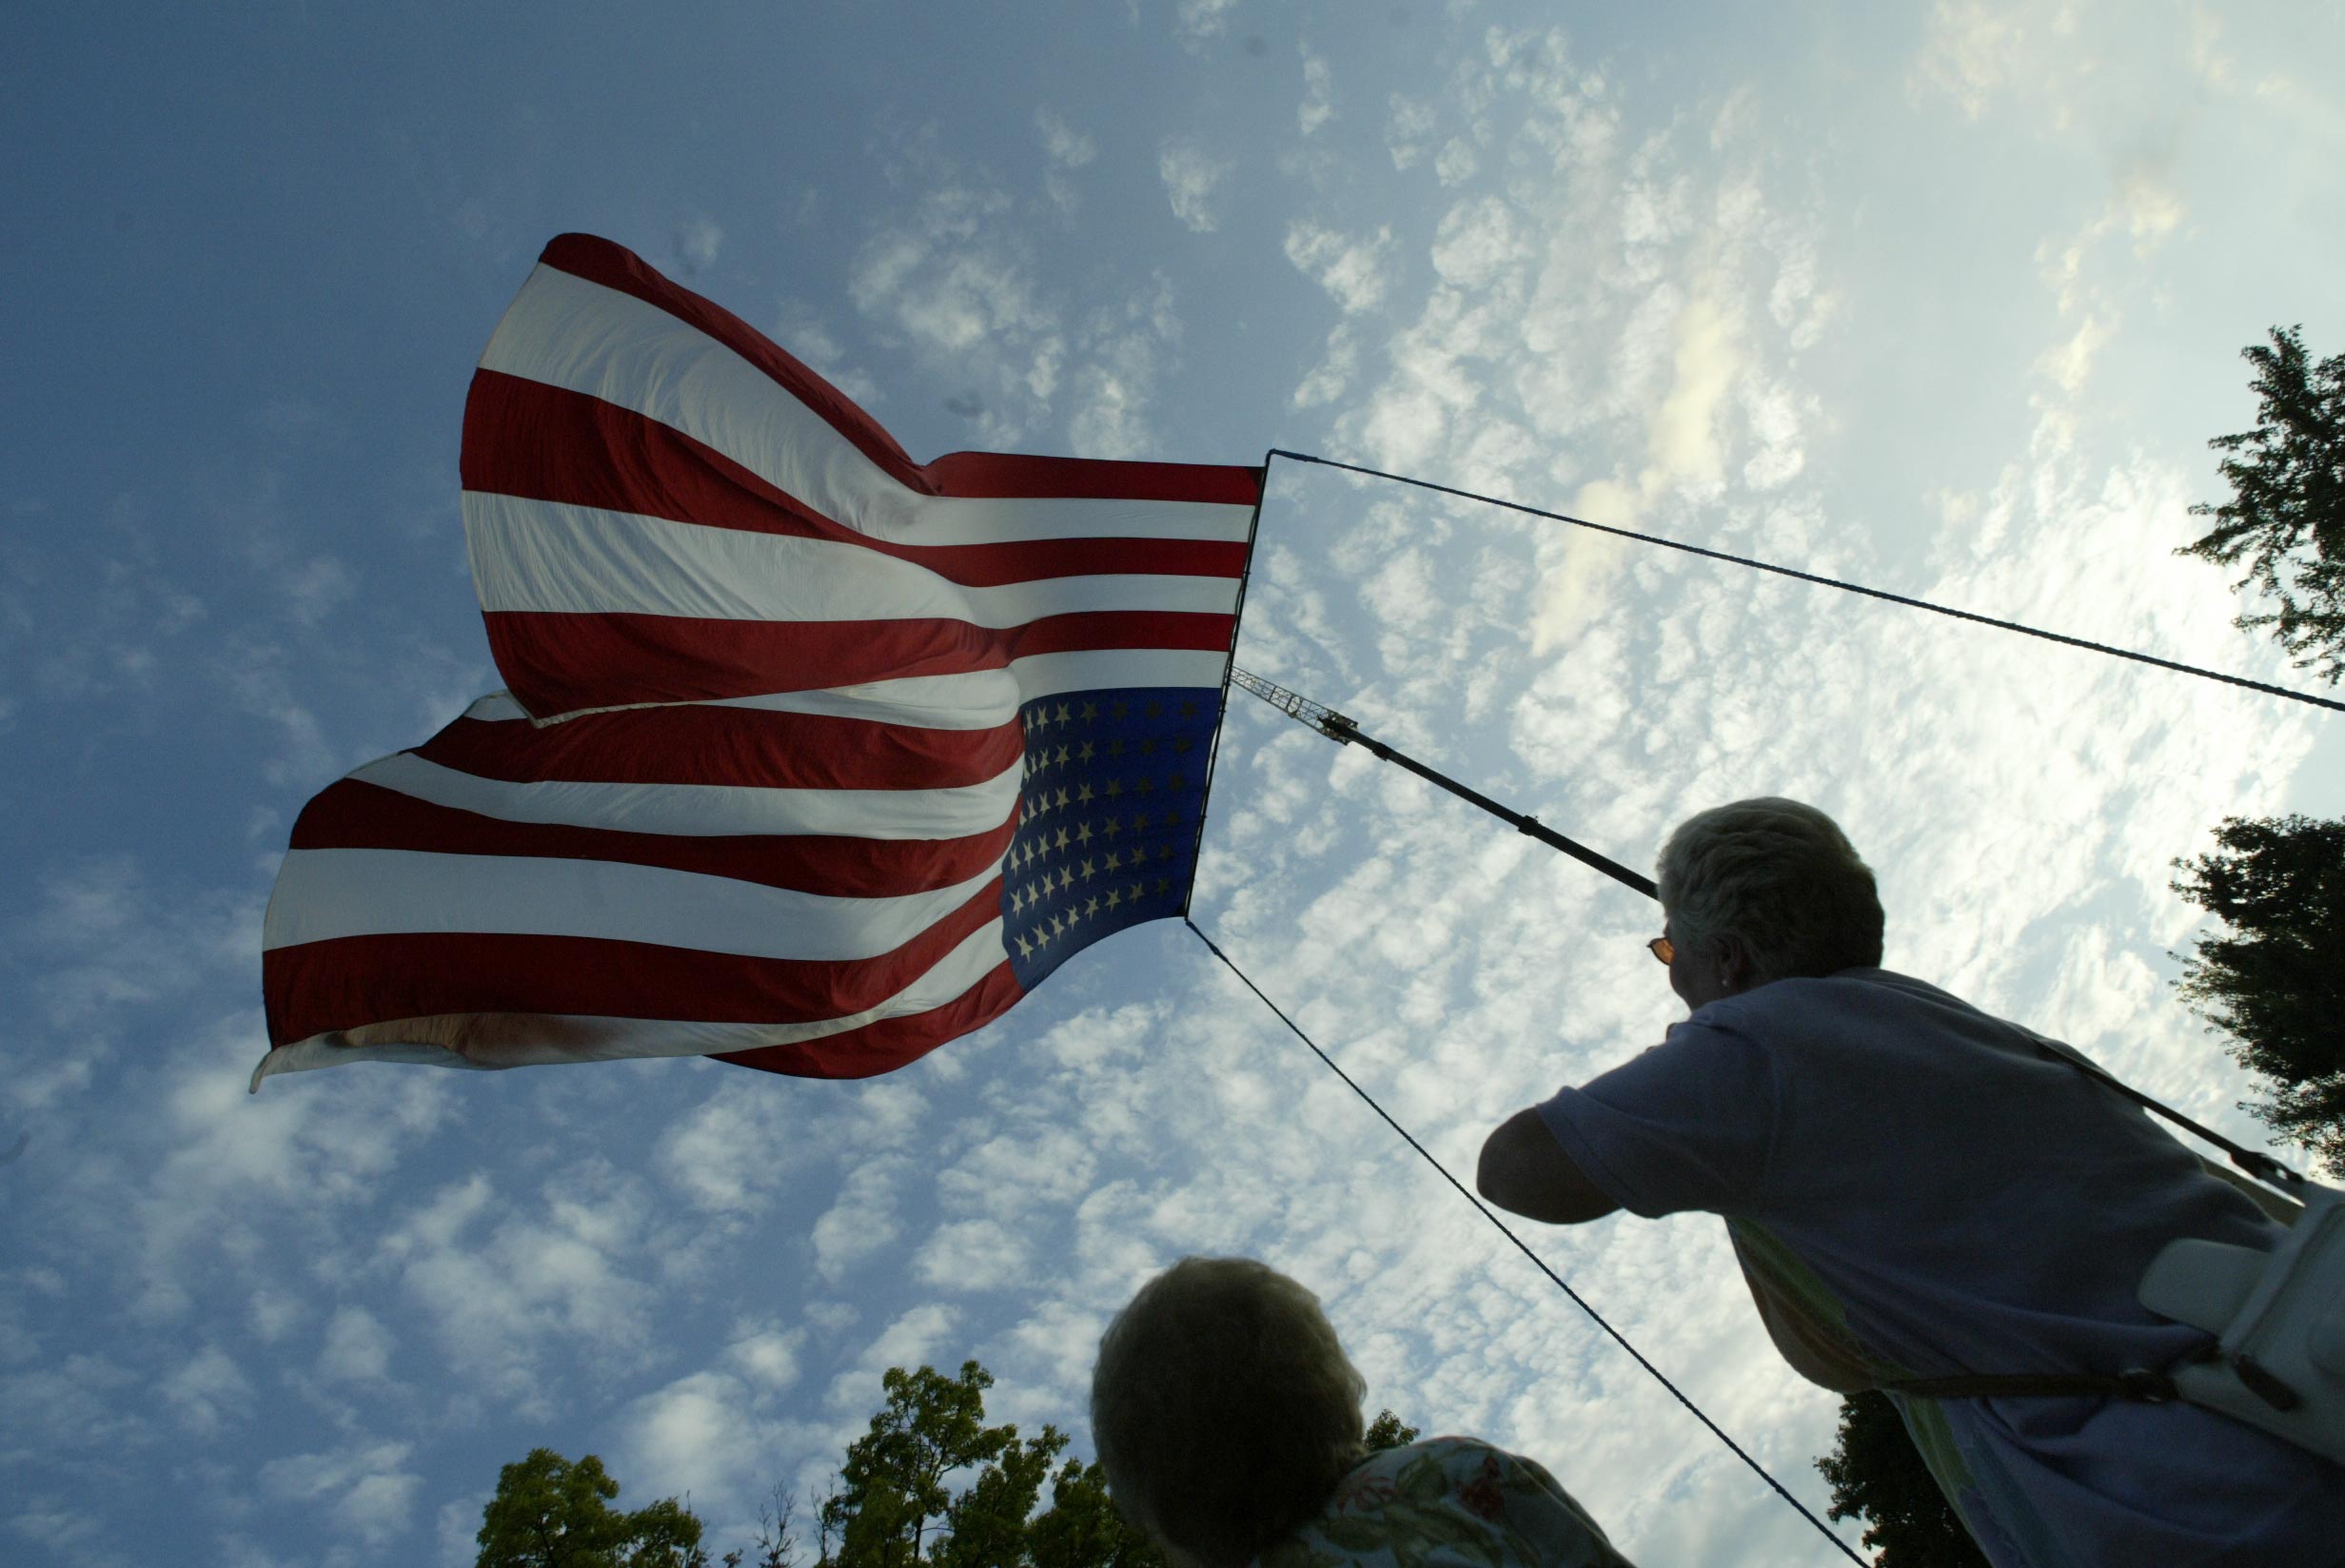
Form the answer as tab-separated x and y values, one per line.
1917	1192
1227	1418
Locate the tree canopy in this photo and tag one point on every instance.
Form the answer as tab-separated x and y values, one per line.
892	1482
550	1513
1874	1471
929	1484
2286	516
2274	979
1389	1431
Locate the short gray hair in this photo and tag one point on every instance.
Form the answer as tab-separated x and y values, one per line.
1224	1409
1779	876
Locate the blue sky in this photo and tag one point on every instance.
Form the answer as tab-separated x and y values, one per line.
1946	299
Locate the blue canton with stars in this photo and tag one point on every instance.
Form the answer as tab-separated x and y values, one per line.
1107	835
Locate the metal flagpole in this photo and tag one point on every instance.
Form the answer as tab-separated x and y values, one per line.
1344	732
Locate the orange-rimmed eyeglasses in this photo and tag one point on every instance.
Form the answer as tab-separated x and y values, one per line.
1663	948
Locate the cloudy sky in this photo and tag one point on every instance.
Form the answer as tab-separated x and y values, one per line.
1946	299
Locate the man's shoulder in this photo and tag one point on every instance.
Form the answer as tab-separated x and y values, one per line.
1851	990
1857	1004
1441	1501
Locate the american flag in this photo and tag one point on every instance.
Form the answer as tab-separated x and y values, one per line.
812	758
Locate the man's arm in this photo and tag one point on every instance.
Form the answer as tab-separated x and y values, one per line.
1525	1172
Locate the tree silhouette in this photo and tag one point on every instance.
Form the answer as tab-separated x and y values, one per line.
1389	1431
891	1508
893	1483
2274	981
550	1513
928	1485
1081	1528
2288	497
776	1542
1876	1472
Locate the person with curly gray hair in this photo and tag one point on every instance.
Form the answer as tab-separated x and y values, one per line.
1918	1192
1228	1422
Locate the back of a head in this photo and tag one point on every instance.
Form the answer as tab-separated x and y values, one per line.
1778	875
1224	1409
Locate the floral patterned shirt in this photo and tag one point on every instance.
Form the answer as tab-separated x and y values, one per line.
1447	1502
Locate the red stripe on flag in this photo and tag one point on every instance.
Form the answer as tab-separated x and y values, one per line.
1014	474
971	473
354	815
557	663
348	981
751	747
523	438
889	1044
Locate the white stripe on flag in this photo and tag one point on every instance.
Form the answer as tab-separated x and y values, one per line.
588	1038
1047	675
971	699
323	895
554	557
708	811
567	332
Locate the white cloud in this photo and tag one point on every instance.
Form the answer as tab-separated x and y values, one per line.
734	1153
1409	128
1067	150
460	1531
1200	19
965	1255
2083	75
258	677
2152	207
862	1221
695	1435
911	1341
1065	146
1683	457
1120	355
1684	437
274	1314
1327	381
1318	105
698	240
1190	177
47	1522
316	588
1008	1174
943	298
1480	246
1354	272
89	915
356	1348
910	1338
954	279
800	328
1974	50
506	1282
769	1355
1457	161
207	1392
365	1486
2067	365
71	1407
957	280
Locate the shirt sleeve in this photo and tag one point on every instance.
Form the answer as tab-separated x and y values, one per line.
1687	1125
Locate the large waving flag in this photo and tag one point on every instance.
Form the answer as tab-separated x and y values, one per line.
811	758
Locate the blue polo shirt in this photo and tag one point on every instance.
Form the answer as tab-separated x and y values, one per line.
1952	1202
